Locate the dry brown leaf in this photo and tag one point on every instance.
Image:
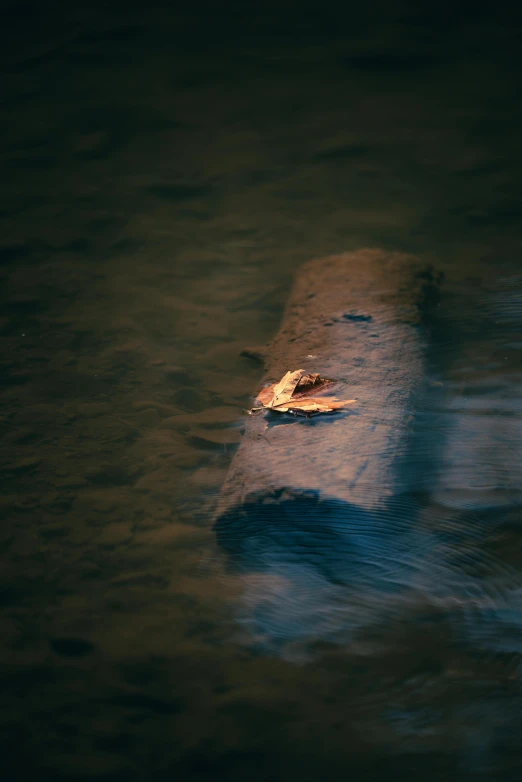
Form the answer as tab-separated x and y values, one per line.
311	384
320	404
266	394
293	394
293	385
285	388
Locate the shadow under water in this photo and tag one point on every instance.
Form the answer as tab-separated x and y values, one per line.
318	569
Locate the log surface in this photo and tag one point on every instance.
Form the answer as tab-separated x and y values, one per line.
355	317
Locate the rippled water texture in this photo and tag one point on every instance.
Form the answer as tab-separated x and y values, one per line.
164	174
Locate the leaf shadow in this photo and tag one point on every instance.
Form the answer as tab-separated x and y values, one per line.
314	419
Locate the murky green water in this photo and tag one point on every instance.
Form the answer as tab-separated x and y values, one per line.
163	176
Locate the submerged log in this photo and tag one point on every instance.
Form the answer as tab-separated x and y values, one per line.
349	520
358	318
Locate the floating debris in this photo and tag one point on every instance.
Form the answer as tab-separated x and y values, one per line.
295	394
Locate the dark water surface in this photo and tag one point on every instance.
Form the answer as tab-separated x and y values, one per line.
163	174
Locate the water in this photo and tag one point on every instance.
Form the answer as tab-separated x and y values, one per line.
164	174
